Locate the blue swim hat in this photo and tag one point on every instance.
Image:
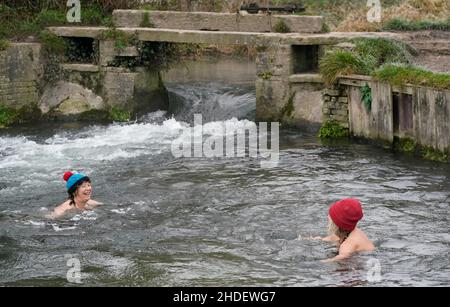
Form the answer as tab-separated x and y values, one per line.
73	179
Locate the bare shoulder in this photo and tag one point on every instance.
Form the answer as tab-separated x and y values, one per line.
64	206
362	241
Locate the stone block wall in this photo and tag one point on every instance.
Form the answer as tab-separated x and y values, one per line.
335	106
20	73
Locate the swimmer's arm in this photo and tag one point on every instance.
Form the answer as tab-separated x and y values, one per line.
94	203
332	238
59	211
345	251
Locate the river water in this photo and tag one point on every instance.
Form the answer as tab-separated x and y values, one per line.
170	221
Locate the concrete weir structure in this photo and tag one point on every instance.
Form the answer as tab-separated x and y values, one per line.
410	117
288	86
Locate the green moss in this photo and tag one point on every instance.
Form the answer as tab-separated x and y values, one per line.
4	44
325	28
333	130
289	108
281	27
146	23
405	25
10	116
432	154
407	145
118	115
265	75
7	116
122	39
261	48
400	75
53	43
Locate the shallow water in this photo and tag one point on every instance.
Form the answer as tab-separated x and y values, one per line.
226	222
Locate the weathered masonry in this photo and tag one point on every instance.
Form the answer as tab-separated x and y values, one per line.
413	118
20	72
288	85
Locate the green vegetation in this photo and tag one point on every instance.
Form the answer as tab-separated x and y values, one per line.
400	75
4	44
289	108
265	75
146	22
342	62
333	130
52	42
432	154
281	27
7	116
406	145
121	39
366	57
118	115
19	21
326	28
384	50
366	96
405	25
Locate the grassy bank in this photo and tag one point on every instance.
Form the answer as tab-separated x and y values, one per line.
364	58
406	74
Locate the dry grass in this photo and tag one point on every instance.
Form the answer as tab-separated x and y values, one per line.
408	10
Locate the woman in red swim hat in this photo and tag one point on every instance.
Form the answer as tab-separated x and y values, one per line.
342	219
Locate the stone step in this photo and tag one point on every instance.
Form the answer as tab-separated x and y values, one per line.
80	67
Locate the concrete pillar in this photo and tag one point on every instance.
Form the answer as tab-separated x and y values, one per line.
273	68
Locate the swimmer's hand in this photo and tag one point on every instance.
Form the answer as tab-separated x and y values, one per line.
332	238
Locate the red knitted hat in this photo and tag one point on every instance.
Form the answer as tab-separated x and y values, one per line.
346	213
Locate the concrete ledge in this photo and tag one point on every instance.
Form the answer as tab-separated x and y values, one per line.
306	78
80	67
361	80
223	38
130	51
207	21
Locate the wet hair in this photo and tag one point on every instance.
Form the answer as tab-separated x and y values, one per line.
75	187
334	229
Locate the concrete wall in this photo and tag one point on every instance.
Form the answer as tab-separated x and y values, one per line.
359	116
20	72
381	116
432	118
307	103
217	21
427	125
273	68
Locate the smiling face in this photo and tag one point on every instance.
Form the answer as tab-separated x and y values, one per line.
84	192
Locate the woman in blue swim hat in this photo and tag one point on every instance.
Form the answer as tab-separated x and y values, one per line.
79	188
